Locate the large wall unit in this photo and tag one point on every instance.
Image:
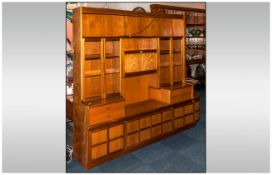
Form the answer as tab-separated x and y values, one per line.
129	82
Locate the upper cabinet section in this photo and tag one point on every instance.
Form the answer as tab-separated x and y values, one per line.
117	23
102	25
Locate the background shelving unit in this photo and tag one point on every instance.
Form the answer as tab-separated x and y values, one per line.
195	42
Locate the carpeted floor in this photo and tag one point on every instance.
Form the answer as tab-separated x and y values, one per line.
180	153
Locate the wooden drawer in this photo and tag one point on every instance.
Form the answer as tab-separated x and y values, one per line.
166	127
167	115
106	113
99	151
116	131
197	116
145	134
156	119
102	25
188	109
181	91
189	119
132	139
180	98
197	106
145	122
116	145
98	136
179	111
179	123
132	126
156	130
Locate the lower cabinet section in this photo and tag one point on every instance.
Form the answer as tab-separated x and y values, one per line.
116	139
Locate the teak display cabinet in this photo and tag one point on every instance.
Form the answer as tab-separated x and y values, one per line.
129	82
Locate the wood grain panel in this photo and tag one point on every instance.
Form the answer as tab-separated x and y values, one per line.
179	123
116	145
156	118
141	26
167	115
145	122
95	25
197	106
156	130
145	134
139	44
189	119
179	111
165	28
99	151
132	139
132	126
90	82
167	127
197	115
116	131
140	62
98	137
178	27
188	109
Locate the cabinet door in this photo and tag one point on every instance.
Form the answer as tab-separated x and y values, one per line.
141	26
165	27
178	27
102	25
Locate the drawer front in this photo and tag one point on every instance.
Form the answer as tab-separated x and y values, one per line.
186	90
99	151
167	115
132	139
180	98
107	109
156	119
132	126
179	112
179	123
156	130
189	119
102	25
197	116
116	131
98	136
197	106
167	127
145	122
188	109
116	145
145	134
105	117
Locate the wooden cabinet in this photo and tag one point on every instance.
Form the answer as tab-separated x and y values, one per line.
129	82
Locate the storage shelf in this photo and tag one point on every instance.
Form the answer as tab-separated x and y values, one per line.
200	61
139	51
167	52
164	65
98	56
92	73
112	71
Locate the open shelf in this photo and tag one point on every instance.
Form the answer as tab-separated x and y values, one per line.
140	51
92	73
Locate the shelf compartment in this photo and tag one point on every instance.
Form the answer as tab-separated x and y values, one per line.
92	86
92	67
112	83
165	75
92	56
92	73
165	44
177	72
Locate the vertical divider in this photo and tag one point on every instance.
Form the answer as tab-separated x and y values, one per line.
82	69
159	61
183	54
121	66
103	78
171	61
